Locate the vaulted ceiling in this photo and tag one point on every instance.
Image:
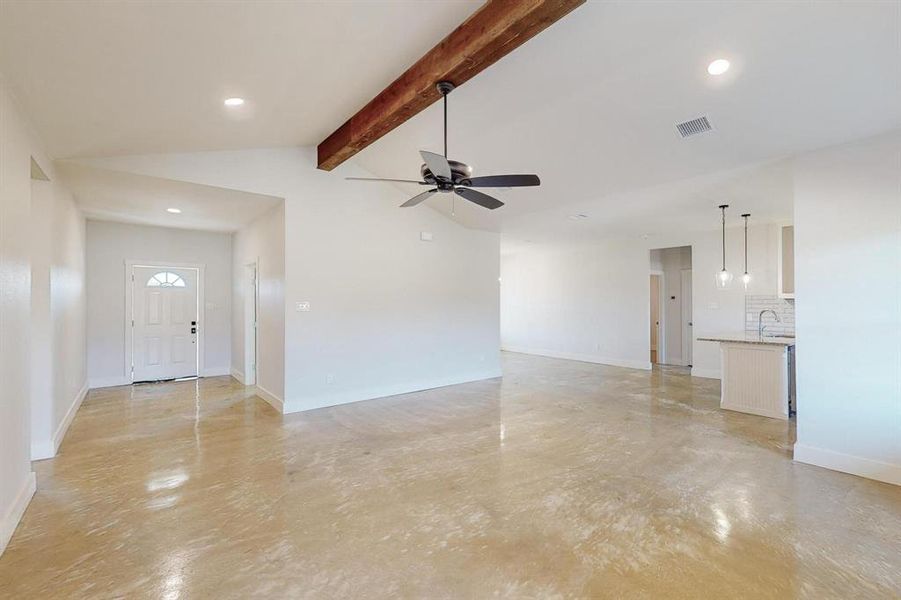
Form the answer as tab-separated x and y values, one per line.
590	104
103	78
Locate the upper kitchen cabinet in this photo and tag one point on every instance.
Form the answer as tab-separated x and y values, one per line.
787	262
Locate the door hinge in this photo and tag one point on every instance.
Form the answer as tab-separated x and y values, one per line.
132	322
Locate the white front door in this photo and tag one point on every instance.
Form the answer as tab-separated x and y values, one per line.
165	323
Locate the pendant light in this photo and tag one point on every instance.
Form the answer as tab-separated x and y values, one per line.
724	277
746	278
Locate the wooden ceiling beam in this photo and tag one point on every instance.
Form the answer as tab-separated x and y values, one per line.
489	34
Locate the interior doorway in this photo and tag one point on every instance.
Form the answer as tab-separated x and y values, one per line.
685	309
163	327
670	306
657	345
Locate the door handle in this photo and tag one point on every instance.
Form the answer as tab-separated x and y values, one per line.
193	330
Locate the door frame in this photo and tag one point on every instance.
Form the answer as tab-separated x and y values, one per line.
687	321
661	316
130	265
251	290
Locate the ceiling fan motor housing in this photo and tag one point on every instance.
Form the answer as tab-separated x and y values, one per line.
460	172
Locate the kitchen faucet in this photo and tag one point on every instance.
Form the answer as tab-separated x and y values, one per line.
760	325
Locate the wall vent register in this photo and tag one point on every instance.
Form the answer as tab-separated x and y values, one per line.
694	127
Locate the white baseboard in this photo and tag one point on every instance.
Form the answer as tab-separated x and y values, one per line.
13	514
276	402
104	382
753	410
216	372
707	373
847	463
237	375
644	365
347	397
70	416
44	449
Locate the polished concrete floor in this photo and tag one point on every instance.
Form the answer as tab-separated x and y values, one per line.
562	480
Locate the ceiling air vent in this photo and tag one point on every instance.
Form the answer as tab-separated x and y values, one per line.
694	127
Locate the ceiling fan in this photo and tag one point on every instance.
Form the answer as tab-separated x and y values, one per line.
451	176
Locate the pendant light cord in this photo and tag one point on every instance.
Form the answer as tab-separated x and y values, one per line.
745	217
723	208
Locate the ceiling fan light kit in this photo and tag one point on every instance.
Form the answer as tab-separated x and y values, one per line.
451	176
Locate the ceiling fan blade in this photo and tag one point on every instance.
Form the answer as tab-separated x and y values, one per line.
437	164
478	198
417	199
380	179
503	181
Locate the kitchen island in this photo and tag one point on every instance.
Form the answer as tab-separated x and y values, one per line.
756	373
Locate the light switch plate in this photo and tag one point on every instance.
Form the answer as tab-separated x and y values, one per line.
425	236
303	307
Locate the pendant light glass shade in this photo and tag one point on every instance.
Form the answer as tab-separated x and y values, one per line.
746	277
724	277
723	280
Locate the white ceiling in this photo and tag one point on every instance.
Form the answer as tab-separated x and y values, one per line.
124	197
657	212
590	104
102	78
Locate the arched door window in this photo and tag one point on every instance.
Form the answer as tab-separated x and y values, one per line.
165	279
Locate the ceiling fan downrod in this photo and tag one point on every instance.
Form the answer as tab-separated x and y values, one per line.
454	177
445	88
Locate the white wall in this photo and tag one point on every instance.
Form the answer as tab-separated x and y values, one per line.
262	242
848	316
68	311
57	245
585	302
109	246
390	314
16	478
57	315
590	301
41	403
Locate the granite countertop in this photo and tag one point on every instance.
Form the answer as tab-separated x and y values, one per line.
744	337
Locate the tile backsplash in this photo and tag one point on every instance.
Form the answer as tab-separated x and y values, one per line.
785	308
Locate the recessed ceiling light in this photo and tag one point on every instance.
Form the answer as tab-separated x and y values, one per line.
718	67
237	101
174	211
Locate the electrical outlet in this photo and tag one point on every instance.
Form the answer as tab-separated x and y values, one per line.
303	307
330	379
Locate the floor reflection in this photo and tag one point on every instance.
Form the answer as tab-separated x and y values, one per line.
562	479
